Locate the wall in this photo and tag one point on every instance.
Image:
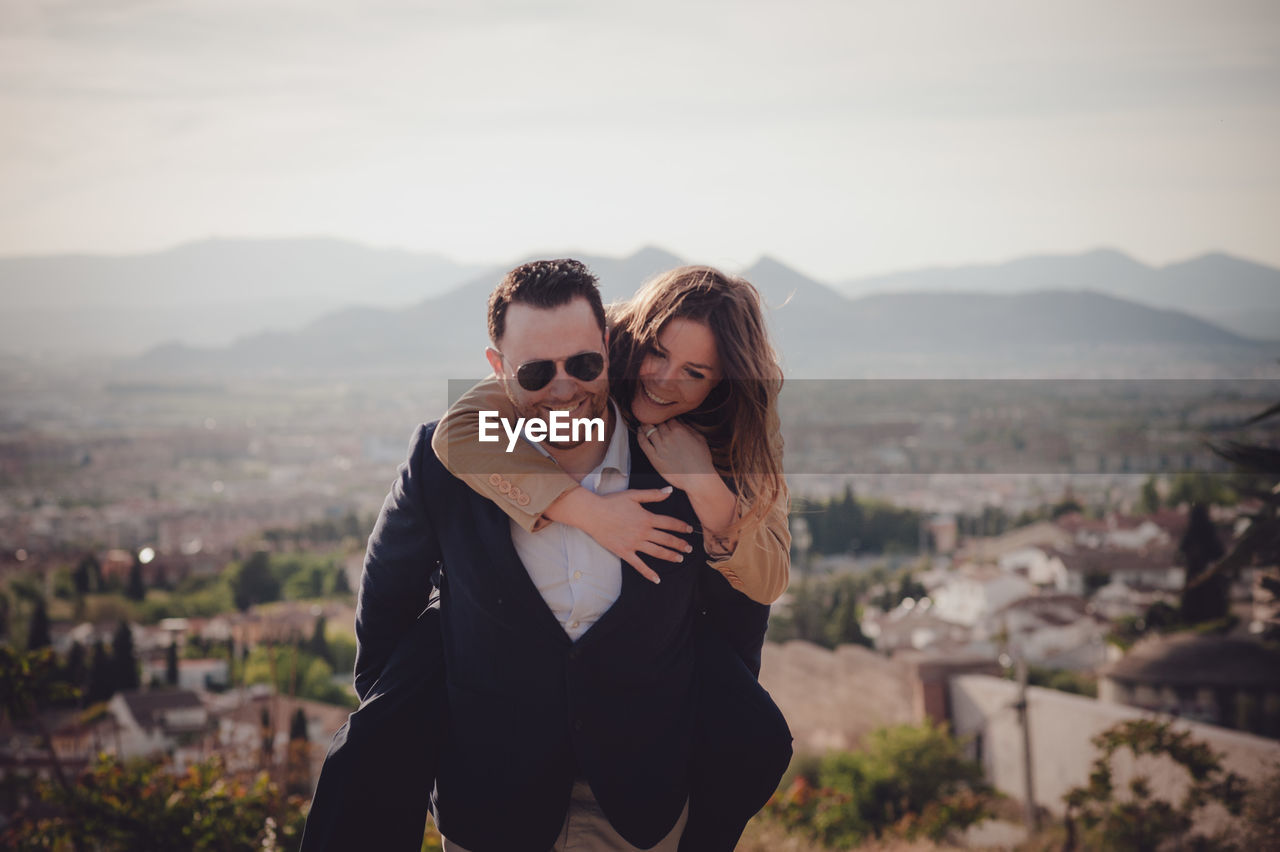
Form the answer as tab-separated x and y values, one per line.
1062	727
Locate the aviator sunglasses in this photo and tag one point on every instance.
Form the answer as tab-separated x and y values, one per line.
536	375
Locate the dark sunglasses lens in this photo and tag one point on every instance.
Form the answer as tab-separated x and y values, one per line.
536	375
585	367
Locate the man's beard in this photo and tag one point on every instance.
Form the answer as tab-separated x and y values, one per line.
597	405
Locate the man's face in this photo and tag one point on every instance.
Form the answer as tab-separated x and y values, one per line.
535	334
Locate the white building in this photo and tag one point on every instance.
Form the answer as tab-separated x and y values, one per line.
972	594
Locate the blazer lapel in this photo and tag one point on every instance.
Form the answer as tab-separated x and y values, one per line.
511	579
643	475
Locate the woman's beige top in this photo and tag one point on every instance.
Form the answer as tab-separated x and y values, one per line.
529	482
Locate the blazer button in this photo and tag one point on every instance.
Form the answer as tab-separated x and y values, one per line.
577	724
499	601
524	500
495	480
505	487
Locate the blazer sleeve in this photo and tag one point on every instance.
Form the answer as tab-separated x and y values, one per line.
396	583
522	483
760	566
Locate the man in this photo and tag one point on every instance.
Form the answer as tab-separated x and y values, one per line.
568	711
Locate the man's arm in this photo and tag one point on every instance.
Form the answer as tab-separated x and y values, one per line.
395	585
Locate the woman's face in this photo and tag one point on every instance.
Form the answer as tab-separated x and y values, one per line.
677	373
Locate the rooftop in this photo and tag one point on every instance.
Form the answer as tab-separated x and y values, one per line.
1192	660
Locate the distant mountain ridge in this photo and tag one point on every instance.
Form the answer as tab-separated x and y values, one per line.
205	293
817	330
329	305
1239	295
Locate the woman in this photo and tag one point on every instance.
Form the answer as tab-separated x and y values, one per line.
693	373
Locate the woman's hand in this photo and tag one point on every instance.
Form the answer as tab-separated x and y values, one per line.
621	525
683	458
678	453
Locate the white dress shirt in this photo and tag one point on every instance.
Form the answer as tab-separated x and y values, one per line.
577	577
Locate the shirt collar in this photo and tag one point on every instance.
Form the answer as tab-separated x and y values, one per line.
617	456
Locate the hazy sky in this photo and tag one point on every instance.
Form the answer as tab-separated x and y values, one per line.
842	137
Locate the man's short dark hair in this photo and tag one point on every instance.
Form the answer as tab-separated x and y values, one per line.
543	284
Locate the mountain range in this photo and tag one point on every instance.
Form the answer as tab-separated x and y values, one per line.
206	293
403	310
1239	295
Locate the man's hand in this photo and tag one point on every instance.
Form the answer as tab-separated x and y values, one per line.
621	525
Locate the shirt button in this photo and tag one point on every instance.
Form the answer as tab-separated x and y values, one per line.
574	624
577	575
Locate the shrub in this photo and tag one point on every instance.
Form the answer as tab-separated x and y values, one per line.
908	780
144	805
1133	818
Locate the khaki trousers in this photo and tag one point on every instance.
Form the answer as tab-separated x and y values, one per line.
587	830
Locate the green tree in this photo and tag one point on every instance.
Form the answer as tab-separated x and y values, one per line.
135	589
340	584
1102	816
298	726
1259	544
87	575
29	683
1202	599
315	582
171	664
1149	502
298	755
843	625
124	660
319	644
268	736
252	582
76	671
102	676
1066	506
38	628
1191	488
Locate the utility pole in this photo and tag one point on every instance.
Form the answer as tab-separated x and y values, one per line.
1028	785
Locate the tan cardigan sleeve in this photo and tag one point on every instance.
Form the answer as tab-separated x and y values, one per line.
523	482
760	566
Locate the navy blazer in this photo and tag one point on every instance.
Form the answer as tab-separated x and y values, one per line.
529	710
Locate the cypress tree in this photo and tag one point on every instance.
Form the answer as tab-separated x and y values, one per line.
1202	600
298	726
102	681
171	664
135	589
341	586
38	628
76	672
319	644
124	660
84	574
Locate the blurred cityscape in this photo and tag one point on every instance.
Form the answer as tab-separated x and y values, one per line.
186	543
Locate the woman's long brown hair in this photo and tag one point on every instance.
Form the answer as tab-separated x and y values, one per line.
739	417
